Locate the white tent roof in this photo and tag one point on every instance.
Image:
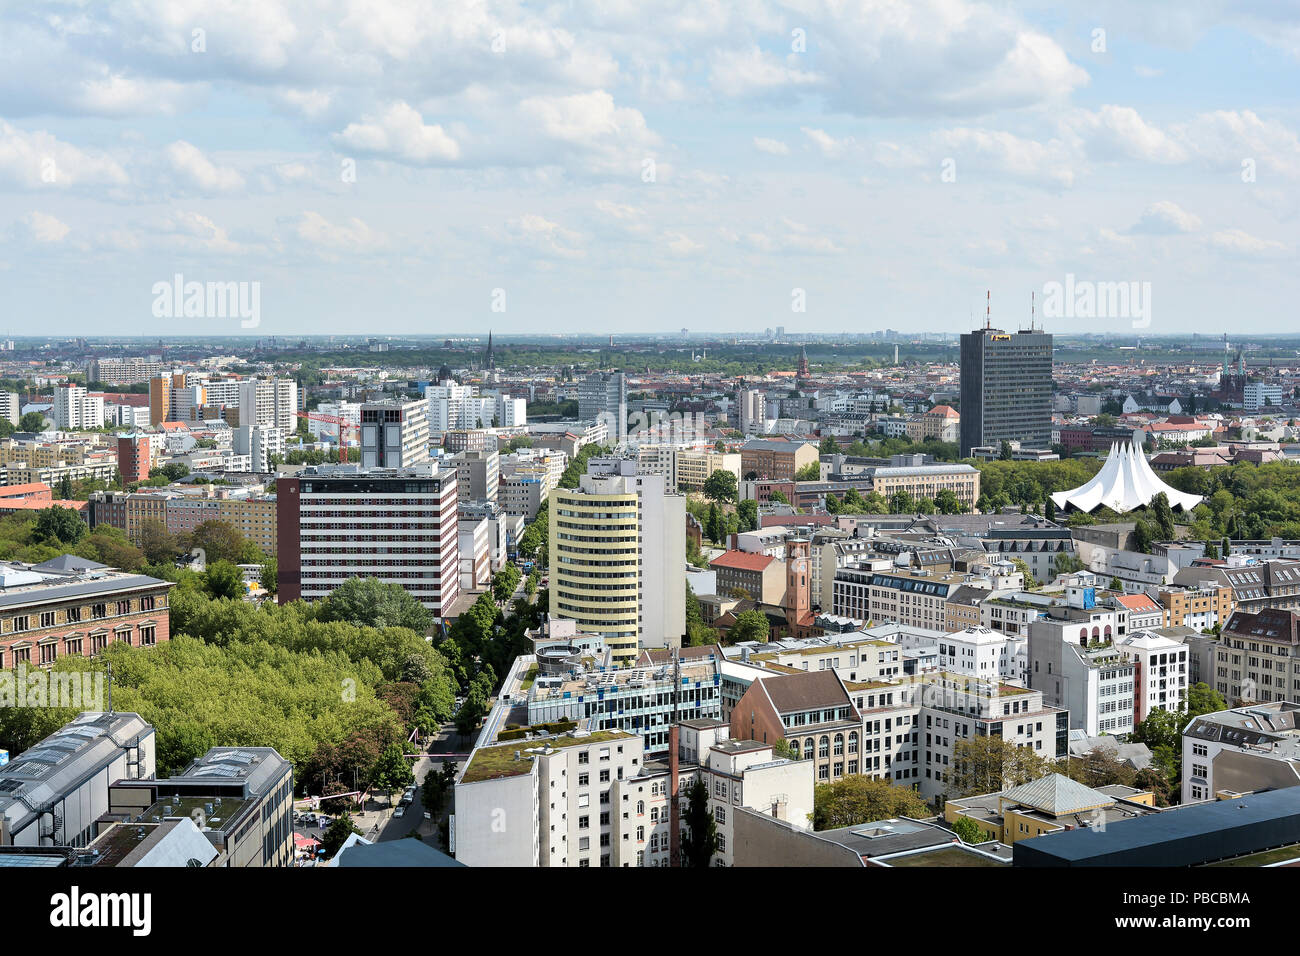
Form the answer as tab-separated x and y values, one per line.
1125	482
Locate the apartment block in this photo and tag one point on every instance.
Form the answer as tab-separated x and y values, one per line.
1242	750
395	525
543	803
1258	658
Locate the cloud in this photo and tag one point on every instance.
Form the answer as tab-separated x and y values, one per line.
738	73
37	160
1119	132
192	169
1240	244
44	228
1165	218
350	235
773	147
591	131
1024	159
400	133
543	236
830	147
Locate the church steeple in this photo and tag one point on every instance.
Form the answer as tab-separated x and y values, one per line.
489	360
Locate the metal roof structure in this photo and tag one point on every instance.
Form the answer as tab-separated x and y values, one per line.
1180	836
1057	795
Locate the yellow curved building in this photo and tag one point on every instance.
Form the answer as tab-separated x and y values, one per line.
595	576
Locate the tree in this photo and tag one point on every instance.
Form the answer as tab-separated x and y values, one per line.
809	472
224	580
1203	699
158	544
1004	452
173	471
856	798
269	576
376	604
32	422
700	841
1049	509
1066	563
828	445
65	487
1163	516
393	770
337	833
721	485
1116	584
1142	536
747	512
969	831
63	525
946	503
778	496
991	764
220	541
751	625
1030	581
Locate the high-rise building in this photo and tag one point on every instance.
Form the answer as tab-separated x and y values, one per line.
397	525
478	474
394	434
616	543
10	407
74	407
752	411
602	395
261	443
269	402
134	457
1006	388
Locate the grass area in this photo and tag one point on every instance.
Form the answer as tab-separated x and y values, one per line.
529	677
490	763
1280	855
947	857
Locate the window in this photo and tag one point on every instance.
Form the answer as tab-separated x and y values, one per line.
20	624
47	619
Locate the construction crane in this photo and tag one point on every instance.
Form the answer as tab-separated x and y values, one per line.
345	427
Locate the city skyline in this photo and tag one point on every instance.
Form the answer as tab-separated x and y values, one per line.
632	171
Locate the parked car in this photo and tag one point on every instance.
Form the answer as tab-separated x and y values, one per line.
400	811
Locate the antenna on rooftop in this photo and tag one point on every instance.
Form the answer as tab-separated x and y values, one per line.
988	309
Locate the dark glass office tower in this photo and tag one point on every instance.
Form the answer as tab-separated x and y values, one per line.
1006	388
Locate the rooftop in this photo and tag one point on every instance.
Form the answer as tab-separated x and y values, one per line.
489	763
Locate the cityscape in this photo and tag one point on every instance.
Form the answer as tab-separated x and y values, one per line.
491	435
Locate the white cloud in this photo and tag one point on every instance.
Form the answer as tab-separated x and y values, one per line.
1119	132
541	235
751	71
1241	244
400	133
38	160
830	146
1165	218
773	147
591	131
1026	159
44	228
349	235
192	169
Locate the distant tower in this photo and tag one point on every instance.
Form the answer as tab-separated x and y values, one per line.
895	354
489	360
803	362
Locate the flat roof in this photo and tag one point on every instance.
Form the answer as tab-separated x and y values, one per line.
1180	836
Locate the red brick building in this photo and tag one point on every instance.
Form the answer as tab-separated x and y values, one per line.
69	605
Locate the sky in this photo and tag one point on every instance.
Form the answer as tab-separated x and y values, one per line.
395	166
